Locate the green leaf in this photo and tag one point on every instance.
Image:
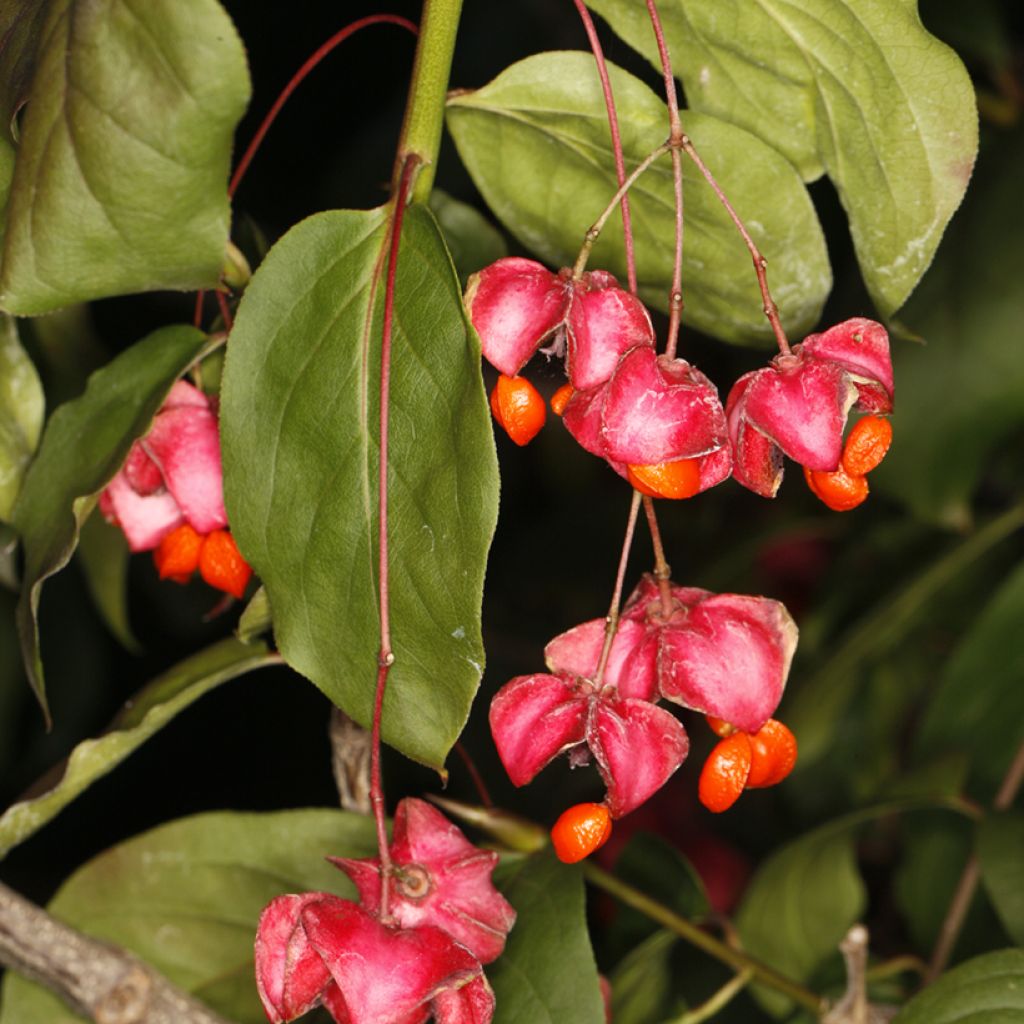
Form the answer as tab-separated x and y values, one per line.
187	896
978	703
986	990
469	235
536	143
21	23
103	555
299	431
547	973
855	88
962	393
149	711
801	902
83	446
642	981
1001	855
255	620
21	413
120	180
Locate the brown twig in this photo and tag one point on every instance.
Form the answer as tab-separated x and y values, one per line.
968	883
98	981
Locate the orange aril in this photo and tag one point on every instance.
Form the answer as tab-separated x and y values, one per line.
720	726
177	555
221	563
725	773
679	479
581	830
773	755
518	407
839	490
560	399
866	445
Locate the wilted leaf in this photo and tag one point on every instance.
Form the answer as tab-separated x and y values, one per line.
547	973
186	897
986	990
536	143
299	422
21	413
150	710
855	88
83	446
120	183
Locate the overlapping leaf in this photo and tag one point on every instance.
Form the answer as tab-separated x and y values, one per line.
1001	855
21	413
986	990
536	142
855	88
299	422
83	446
150	711
186	897
120	183
547	973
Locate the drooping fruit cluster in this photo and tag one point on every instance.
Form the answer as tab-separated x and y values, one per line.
444	921
726	655
168	497
656	419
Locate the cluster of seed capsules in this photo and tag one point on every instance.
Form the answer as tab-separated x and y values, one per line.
659	423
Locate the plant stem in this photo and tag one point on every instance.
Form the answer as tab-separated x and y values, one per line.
596	228
676	137
735	958
385	657
725	995
616	138
968	883
296	80
662	570
611	624
424	111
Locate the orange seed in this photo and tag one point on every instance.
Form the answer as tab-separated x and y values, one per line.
679	479
221	564
839	490
725	772
518	407
866	445
773	755
560	399
581	830
177	555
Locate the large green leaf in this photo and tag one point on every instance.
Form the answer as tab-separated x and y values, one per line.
962	392
986	990
547	973
1001	855
21	413
977	707
299	421
149	711
801	902
642	981
120	183
854	88
83	446
186	897
536	142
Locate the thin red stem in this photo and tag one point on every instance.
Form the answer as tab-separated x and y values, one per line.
315	58
386	658
611	624
197	316
662	570
675	298
225	311
474	774
616	137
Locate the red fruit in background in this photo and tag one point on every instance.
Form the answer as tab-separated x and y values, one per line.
519	408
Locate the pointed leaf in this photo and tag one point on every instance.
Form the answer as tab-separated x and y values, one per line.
21	413
186	897
150	710
547	973
120	180
83	446
103	556
1001	854
299	422
986	990
855	88
536	142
